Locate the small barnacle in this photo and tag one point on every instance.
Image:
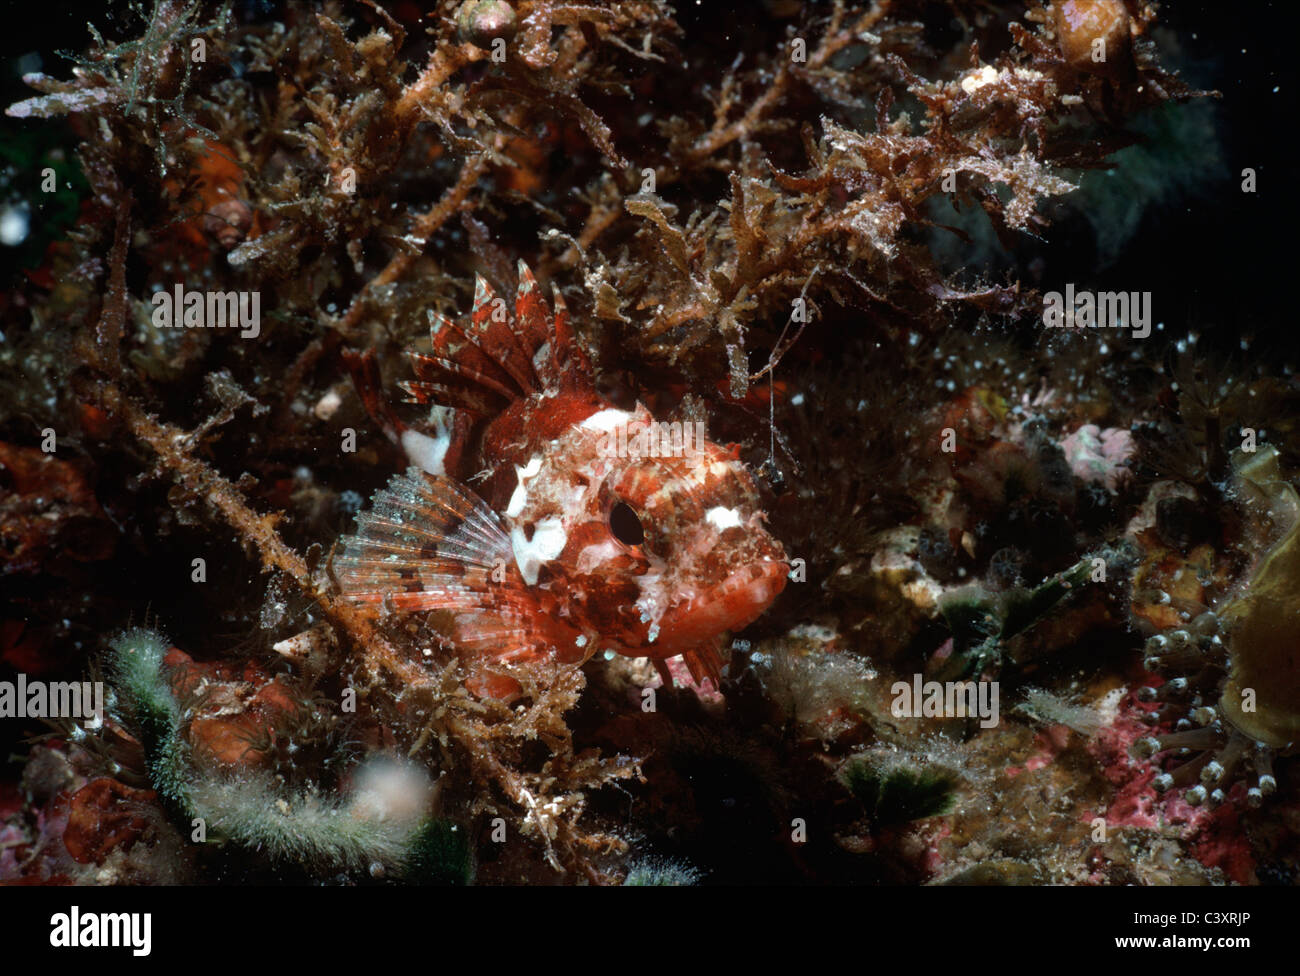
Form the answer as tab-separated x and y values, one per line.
1095	35
482	22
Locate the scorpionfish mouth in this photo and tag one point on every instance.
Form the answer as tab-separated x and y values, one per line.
729	605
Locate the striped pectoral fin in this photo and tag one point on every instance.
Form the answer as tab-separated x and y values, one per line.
489	641
430	544
427	543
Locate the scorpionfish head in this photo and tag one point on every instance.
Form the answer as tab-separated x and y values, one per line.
655	534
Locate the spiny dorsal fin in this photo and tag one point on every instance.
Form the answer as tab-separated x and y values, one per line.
493	331
485	363
568	363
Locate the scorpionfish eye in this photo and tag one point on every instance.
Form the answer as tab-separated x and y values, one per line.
710	564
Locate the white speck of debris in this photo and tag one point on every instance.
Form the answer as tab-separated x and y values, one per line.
15	220
327	405
976	80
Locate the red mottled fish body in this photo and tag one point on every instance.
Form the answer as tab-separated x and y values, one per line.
597	529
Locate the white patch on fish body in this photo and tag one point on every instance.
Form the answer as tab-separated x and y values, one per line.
520	496
595	555
609	419
723	518
547	542
517	500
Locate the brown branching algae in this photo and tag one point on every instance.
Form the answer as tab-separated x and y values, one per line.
812	468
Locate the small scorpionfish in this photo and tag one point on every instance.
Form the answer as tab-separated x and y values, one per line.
591	533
